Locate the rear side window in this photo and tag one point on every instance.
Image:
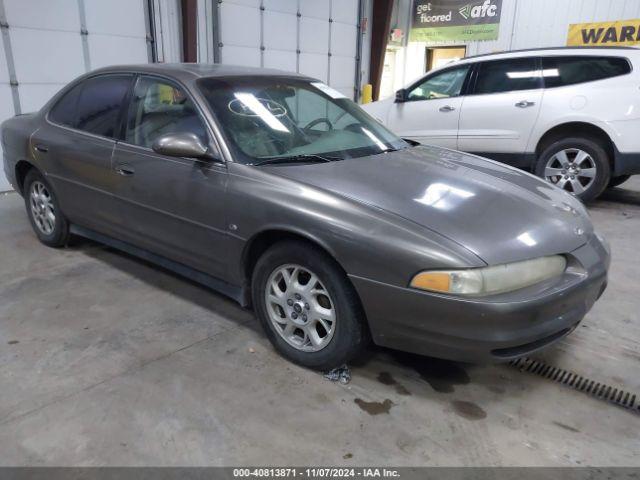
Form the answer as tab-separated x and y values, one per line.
100	103
508	76
561	71
64	112
93	105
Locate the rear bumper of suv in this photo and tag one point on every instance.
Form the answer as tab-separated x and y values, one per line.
480	330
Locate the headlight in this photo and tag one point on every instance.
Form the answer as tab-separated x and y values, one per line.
491	280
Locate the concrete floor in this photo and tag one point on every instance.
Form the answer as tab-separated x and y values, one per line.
105	360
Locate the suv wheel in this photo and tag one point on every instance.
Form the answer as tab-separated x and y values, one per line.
577	165
47	220
307	307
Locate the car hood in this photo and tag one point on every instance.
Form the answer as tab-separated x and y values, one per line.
499	213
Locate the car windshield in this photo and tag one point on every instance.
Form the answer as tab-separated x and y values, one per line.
274	119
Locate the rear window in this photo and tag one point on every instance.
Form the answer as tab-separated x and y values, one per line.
561	71
64	111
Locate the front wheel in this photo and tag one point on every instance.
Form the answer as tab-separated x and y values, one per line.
307	306
577	165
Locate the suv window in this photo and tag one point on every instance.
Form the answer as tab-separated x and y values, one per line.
159	108
441	85
508	75
100	103
64	111
561	71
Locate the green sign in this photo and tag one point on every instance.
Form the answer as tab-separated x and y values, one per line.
455	20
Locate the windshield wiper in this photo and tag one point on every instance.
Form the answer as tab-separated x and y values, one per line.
307	157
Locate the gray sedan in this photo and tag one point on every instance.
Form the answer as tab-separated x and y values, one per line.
278	191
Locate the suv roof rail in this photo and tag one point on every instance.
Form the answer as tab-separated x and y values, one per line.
595	47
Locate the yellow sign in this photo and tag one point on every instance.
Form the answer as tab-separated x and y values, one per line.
624	32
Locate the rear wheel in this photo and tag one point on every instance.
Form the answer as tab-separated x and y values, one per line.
47	220
307	306
577	165
615	181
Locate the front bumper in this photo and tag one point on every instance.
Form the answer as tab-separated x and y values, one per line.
497	328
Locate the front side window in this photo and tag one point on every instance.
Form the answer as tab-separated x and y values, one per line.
561	71
441	85
278	118
508	76
159	108
100	103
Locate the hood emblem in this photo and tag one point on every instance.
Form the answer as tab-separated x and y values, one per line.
578	231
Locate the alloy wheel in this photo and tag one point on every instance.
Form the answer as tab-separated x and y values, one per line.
42	209
300	308
572	169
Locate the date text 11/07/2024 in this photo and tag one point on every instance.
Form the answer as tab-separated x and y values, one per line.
316	472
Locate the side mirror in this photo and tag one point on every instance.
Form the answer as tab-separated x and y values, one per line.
182	144
401	96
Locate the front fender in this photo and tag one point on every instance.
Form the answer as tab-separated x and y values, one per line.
366	241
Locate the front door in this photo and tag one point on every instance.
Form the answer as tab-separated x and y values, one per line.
502	109
432	108
173	206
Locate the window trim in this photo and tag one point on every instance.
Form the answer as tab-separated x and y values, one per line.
212	140
463	90
626	59
478	66
81	81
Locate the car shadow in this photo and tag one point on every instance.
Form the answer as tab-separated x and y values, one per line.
403	372
442	375
168	281
620	195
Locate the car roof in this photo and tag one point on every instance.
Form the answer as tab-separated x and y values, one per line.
552	51
193	71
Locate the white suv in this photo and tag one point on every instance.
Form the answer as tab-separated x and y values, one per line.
571	115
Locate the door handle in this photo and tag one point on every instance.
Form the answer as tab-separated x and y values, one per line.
41	148
125	170
447	108
525	104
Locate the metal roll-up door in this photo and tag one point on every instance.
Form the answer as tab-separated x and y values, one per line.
318	38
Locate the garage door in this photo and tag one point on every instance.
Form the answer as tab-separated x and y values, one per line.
314	37
50	42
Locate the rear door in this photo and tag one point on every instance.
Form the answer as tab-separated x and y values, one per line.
172	206
75	145
431	111
502	107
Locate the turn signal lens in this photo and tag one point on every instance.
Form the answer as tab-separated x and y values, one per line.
493	279
434	281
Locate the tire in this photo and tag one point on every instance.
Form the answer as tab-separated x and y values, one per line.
345	337
42	204
570	159
615	181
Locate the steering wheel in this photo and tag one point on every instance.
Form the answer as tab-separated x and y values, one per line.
318	121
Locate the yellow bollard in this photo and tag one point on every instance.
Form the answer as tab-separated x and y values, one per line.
367	93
